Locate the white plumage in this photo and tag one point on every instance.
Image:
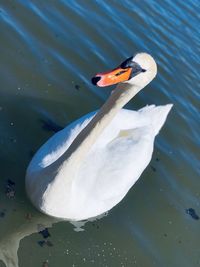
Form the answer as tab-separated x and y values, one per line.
97	178
111	167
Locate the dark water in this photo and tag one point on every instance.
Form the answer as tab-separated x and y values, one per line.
49	51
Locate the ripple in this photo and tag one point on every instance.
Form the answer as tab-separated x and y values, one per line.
48	50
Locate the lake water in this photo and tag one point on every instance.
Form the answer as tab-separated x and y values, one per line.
49	52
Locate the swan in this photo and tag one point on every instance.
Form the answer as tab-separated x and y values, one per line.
88	167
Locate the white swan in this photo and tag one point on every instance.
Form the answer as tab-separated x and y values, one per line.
87	168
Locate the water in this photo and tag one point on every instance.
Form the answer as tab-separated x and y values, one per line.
49	52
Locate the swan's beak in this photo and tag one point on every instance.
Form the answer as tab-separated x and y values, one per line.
126	71
117	75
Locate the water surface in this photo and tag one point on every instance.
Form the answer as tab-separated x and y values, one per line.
49	52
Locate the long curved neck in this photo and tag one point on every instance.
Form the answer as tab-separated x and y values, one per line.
88	136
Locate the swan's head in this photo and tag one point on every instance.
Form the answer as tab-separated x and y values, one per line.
138	70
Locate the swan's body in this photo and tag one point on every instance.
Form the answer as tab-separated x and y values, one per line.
88	167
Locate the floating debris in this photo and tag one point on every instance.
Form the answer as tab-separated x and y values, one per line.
10	183
192	213
10	189
77	87
41	243
153	168
2	213
43	231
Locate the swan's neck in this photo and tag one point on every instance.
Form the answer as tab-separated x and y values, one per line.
89	135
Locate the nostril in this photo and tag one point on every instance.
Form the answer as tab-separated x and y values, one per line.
95	80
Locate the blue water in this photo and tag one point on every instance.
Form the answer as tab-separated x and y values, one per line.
49	52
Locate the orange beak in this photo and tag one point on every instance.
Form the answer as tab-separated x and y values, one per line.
117	75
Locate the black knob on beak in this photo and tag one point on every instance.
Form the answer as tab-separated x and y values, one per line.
95	80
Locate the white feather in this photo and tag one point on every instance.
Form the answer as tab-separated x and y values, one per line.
111	167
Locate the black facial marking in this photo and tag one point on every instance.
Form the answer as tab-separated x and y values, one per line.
95	80
127	63
120	72
136	68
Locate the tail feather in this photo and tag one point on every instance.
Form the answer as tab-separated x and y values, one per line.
157	115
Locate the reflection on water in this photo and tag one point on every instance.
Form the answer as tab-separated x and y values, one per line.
9	245
49	52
